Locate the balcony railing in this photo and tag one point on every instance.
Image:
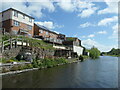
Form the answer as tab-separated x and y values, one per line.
53	40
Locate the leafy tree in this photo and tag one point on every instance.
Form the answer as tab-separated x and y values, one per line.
94	53
114	51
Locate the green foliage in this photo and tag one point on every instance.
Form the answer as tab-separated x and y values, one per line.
28	66
36	43
14	68
70	38
94	53
113	51
9	61
5	37
48	62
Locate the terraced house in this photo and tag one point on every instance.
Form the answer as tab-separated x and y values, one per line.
47	35
17	22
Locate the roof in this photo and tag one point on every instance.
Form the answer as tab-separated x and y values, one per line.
45	28
17	11
71	38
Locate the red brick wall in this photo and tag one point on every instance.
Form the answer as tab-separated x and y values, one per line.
8	25
43	34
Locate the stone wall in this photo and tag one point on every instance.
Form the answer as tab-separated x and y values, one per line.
35	52
11	53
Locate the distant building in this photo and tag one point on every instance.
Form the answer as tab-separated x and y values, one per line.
75	45
16	22
47	35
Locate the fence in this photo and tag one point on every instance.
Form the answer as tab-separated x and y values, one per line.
13	43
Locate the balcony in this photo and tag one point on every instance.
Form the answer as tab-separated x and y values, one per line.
24	31
57	41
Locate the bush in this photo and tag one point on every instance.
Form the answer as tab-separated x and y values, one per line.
94	53
20	67
48	62
29	66
14	68
35	64
9	61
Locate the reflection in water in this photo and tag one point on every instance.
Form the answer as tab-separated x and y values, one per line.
101	73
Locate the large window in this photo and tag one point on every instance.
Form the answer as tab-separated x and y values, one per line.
30	19
41	31
46	33
29	27
23	16
16	23
15	13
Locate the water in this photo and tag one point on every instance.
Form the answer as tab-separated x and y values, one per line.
101	73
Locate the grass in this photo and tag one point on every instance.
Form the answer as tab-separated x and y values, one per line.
37	43
3	60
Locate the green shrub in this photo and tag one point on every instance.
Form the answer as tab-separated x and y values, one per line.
29	66
20	67
14	68
9	61
35	64
94	53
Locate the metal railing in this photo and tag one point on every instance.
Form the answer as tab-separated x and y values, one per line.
53	40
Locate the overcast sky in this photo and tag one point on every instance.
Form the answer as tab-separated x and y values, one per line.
95	23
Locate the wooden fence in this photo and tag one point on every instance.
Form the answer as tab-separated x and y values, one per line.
13	43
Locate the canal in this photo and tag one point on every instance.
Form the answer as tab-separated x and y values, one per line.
101	73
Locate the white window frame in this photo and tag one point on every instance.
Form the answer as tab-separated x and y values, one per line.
16	13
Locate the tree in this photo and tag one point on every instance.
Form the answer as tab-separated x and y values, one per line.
94	53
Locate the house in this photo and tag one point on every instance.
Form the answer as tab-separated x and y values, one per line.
17	22
75	45
47	35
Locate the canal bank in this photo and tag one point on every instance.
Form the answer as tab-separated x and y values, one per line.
26	70
100	73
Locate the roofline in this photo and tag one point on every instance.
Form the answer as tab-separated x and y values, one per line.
46	30
17	11
74	38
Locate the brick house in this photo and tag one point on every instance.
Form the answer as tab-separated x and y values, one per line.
16	22
47	35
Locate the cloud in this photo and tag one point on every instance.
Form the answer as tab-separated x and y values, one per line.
107	21
115	32
87	24
35	8
87	12
88	43
112	7
84	9
50	24
66	5
91	35
31	8
102	32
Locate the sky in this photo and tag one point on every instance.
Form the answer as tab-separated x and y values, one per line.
94	22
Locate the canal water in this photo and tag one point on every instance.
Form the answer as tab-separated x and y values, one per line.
101	73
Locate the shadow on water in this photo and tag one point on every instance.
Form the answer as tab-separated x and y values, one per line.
100	73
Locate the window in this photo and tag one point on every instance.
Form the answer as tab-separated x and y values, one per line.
16	23
15	13
46	33
30	20
23	16
29	27
41	31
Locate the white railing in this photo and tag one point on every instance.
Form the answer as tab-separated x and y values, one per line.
53	40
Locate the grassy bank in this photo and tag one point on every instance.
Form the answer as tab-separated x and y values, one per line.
40	64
